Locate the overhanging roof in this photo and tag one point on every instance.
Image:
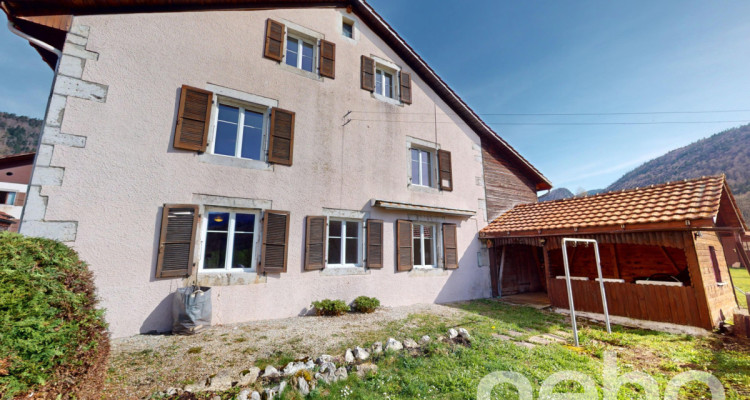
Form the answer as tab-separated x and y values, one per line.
19	12
399	206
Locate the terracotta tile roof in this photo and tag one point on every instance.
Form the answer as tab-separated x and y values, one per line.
6	216
675	201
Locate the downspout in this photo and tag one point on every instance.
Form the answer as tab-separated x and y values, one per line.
34	40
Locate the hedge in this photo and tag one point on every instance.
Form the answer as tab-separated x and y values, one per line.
53	339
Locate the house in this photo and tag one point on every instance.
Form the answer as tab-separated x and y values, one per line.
15	172
661	251
279	152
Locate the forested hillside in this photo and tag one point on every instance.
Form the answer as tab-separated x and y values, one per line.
726	153
18	134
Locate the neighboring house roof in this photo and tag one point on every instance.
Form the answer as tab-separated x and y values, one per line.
27	15
7	218
15	157
670	205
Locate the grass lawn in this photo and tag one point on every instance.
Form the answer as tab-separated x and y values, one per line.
453	371
741	279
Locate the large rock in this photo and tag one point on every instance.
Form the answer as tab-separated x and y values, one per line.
410	344
341	374
393	344
254	396
271	372
249	377
220	382
377	348
464	333
243	395
361	354
303	386
424	340
293	367
325	358
452	333
349	356
366	369
329	366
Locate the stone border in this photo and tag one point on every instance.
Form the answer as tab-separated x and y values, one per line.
68	82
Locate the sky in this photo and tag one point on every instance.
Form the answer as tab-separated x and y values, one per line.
550	57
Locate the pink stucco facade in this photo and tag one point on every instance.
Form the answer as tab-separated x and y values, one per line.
105	191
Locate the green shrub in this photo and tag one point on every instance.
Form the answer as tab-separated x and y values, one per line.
365	304
53	340
330	307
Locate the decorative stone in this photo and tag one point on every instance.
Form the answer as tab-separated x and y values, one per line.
270	393
221	381
329	366
424	340
452	333
323	377
514	333
393	344
341	374
293	367
554	338
349	356
500	337
255	396
377	348
539	340
361	354
309	364
524	344
271	372
171	391
243	395
366	369
194	387
303	386
464	333
325	358
410	344
249	377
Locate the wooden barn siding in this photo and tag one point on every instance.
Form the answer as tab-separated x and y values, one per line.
721	299
671	304
505	185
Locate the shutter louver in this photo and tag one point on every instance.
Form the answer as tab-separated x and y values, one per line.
445	171
315	243
368	73
176	240
450	246
404	245
281	141
405	82
20	199
191	130
374	243
275	239
327	59
274	40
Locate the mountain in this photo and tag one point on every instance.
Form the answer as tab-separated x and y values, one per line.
557	194
726	153
18	134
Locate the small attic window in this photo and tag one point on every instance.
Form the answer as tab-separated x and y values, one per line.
347	28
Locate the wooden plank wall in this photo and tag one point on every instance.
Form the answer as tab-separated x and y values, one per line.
505	185
671	304
720	298
521	272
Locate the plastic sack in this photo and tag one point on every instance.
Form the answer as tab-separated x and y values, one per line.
191	310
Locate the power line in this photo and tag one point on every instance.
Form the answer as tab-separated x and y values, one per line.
559	123
570	114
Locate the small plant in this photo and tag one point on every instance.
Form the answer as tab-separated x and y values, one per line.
194	350
330	307
365	304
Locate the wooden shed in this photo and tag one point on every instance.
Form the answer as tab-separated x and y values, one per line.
662	251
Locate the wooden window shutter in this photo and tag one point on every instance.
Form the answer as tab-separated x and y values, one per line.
315	243
177	240
281	141
368	73
404	245
274	40
450	246
445	171
327	59
374	243
275	240
193	118
405	79
20	199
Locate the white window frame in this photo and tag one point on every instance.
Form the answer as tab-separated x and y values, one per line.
360	242
431	160
435	245
230	240
394	70
430	147
302	39
242	105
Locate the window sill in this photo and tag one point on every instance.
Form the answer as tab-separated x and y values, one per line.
423	189
227	278
385	99
234	162
302	72
417	272
341	271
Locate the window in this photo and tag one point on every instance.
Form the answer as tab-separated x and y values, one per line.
347	29
424	245
240	131
421	167
299	53
229	241
344	243
384	83
8	198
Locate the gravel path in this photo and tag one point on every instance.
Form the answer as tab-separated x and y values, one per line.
140	365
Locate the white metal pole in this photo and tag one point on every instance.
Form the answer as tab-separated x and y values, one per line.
570	291
601	286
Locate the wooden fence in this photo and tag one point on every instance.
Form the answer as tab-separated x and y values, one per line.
673	304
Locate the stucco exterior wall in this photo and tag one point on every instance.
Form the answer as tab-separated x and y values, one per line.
107	183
